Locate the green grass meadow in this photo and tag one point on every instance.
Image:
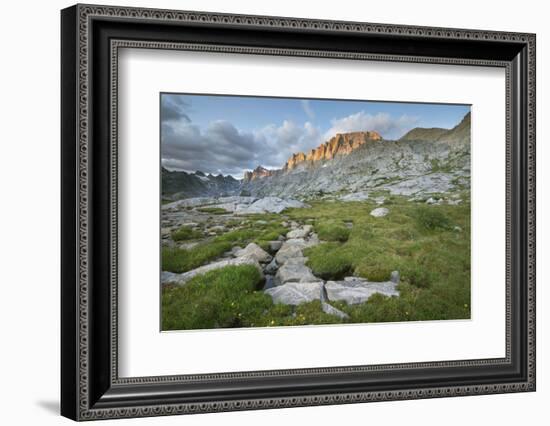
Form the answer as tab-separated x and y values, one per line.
428	244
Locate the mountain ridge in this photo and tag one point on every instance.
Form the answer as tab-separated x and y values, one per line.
339	144
177	183
346	143
425	161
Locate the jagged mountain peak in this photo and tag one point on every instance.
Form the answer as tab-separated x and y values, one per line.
178	184
339	144
258	172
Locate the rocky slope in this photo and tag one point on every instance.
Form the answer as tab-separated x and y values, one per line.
178	184
424	161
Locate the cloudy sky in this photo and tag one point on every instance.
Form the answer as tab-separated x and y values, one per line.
230	134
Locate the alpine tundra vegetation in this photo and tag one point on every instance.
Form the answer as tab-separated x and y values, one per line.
359	228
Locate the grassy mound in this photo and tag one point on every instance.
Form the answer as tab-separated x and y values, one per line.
216	299
331	231
181	260
186	233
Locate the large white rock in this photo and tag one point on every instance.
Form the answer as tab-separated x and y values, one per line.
379	212
270	205
167	277
359	290
295	293
296	242
255	252
228	203
182	279
232	204
295	270
237	199
299	232
355	196
433	183
288	251
189	202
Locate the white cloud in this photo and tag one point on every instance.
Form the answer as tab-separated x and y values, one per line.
389	127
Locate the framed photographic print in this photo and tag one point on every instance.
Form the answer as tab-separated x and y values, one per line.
263	212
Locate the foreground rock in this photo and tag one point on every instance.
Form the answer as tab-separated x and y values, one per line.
295	293
299	232
379	212
331	310
181	279
255	252
295	270
354	290
275	245
288	251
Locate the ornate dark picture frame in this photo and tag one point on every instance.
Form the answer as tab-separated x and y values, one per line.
90	385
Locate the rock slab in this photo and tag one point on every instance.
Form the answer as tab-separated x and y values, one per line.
295	270
269	205
182	279
379	212
255	252
295	293
358	290
288	251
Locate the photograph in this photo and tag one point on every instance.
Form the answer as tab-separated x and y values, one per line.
346	208
298	212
